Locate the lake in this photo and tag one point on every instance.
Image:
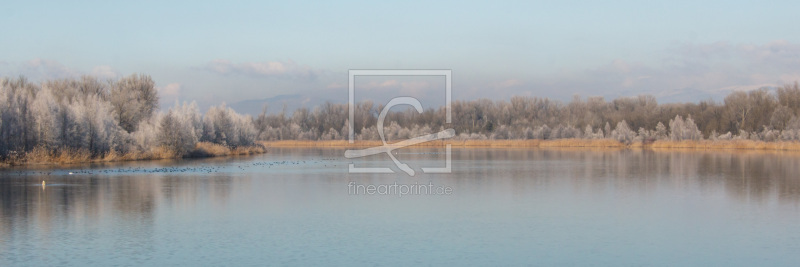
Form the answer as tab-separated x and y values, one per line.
504	207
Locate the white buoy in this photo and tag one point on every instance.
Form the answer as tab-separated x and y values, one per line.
43	183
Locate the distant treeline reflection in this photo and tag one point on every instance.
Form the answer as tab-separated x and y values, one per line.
751	177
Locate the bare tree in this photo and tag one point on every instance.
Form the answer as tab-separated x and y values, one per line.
134	99
739	108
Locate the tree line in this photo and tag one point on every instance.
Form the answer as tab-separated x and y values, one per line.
99	117
767	114
122	116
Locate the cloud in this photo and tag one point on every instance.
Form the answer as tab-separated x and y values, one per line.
778	53
336	85
686	72
378	85
746	87
39	69
389	84
413	87
268	69
511	83
45	69
104	72
169	94
170	90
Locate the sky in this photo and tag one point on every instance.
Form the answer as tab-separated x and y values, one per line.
211	52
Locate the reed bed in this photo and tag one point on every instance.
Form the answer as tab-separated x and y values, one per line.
342	143
43	156
592	143
726	144
533	143
558	143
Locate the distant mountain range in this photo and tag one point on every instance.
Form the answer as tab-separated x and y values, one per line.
276	103
689	95
296	101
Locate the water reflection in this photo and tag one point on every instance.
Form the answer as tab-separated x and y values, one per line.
131	214
745	175
122	206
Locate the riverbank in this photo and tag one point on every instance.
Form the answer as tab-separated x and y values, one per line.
41	156
533	143
558	143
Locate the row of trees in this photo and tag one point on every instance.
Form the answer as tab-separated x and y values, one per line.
763	114
100	117
122	116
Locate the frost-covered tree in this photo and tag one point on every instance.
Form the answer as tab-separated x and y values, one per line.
623	133
588	132
101	128
87	115
120	115
332	134
542	132
45	107
222	125
562	131
661	131
780	117
684	130
176	135
146	135
769	135
189	115
644	134
726	136
18	131
133	98
691	131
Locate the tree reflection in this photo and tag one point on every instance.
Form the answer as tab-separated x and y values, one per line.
87	202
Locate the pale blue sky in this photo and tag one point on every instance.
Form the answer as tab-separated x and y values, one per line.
214	51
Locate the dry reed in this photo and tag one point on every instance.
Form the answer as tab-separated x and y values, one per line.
558	143
533	143
42	155
725	144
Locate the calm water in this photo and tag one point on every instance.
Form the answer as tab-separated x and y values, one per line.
507	207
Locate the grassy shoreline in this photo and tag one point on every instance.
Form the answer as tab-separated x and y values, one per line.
41	156
204	149
559	143
455	143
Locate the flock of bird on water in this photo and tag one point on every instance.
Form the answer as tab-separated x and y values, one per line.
177	169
